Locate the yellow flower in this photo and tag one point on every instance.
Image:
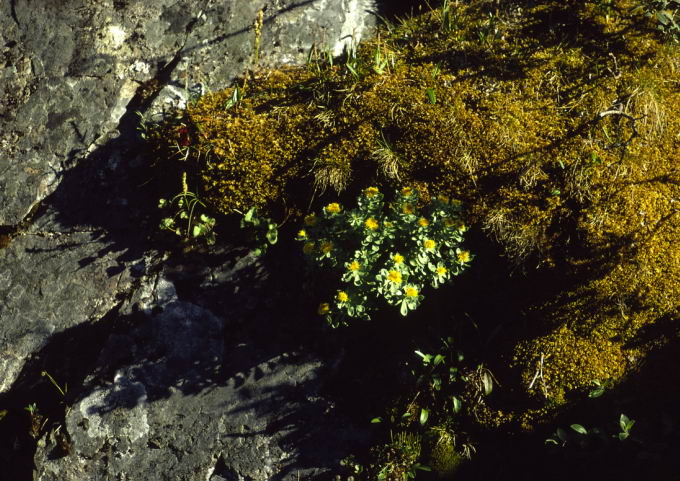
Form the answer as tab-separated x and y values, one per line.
407	191
342	296
398	258
333	208
354	266
326	247
429	244
302	234
371	223
308	248
394	276
311	220
371	192
463	256
441	270
324	308
408	209
411	291
423	222
443	198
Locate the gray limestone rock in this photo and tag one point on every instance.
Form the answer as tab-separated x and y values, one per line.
189	395
69	71
194	388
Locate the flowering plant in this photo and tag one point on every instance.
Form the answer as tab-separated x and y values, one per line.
383	253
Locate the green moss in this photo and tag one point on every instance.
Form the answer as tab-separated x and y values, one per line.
445	459
514	131
562	362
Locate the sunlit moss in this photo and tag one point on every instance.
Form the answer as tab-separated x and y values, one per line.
562	362
507	114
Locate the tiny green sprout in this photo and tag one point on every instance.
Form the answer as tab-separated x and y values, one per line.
626	425
424	415
579	429
435	71
598	390
264	231
31	408
431	96
457	404
236	97
187	206
380	63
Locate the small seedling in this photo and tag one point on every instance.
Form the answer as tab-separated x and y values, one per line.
626	425
184	222
38	421
263	229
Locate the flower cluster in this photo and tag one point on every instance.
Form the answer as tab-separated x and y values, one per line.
385	253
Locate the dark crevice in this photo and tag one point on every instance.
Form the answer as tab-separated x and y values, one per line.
9	232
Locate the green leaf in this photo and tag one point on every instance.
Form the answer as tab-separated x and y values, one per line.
197	230
664	17
438	359
579	429
623	436
424	414
166	223
376	420
3	413
162	203
623	421
488	383
457	404
431	96
249	215
403	310
597	392
272	236
425	357
562	434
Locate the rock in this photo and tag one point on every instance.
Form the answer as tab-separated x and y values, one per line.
193	396
189	383
69	73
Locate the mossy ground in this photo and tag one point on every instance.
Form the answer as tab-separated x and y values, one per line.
554	122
